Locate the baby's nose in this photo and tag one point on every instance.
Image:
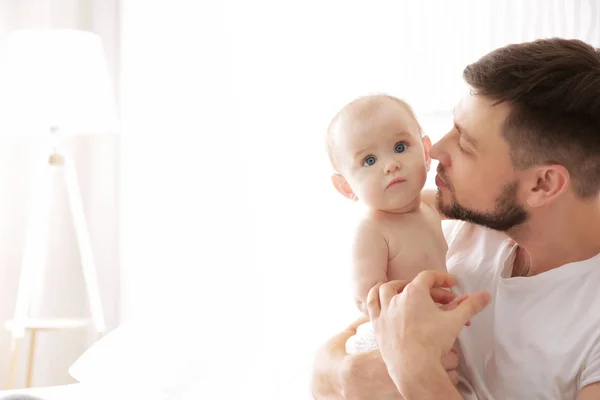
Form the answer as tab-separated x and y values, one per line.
392	167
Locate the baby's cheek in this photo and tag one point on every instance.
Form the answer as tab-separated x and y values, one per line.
373	192
420	174
377	196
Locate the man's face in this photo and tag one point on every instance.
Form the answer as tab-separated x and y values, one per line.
476	180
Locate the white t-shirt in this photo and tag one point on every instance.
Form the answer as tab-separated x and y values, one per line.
540	336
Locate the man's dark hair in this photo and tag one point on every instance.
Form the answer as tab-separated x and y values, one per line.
552	87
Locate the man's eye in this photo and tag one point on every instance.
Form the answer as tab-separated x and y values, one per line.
400	148
368	161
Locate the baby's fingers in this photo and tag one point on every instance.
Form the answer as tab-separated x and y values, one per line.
442	296
454	303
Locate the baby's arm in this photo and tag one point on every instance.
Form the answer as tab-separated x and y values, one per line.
370	261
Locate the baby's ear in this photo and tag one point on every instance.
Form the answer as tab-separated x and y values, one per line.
427	146
342	186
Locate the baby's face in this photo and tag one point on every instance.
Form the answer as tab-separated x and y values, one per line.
382	157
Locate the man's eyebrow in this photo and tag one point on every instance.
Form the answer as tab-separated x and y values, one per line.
464	134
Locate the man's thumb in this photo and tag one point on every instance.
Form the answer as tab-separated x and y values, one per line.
472	305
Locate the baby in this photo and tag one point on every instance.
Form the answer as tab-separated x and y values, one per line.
381	158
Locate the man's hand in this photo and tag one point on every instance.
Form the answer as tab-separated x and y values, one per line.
365	376
361	376
410	327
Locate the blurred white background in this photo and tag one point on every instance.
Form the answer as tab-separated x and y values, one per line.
228	218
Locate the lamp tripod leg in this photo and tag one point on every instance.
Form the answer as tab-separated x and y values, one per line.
33	262
85	246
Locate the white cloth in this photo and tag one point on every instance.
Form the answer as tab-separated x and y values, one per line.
363	340
540	336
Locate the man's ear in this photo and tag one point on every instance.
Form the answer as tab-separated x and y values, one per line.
427	146
342	186
546	183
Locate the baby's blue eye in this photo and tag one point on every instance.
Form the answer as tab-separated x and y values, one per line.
400	148
370	160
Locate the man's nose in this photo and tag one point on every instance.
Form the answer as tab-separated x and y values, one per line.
440	149
392	167
435	150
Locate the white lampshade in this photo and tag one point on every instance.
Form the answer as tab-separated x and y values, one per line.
57	77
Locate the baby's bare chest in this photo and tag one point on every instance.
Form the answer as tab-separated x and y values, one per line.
414	246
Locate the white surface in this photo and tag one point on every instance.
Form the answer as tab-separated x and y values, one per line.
120	358
78	391
173	362
62	392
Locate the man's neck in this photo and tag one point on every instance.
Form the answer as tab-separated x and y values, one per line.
557	237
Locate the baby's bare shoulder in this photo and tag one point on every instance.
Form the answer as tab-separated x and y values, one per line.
370	226
370	240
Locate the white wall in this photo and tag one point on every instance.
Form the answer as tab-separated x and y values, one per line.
189	246
96	162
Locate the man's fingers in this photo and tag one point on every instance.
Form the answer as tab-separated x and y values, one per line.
472	306
373	305
433	279
388	290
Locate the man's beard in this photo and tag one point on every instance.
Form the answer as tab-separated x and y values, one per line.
507	214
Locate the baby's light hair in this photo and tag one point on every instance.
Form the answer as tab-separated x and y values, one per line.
368	101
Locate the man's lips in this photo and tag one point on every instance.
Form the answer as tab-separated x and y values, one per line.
440	182
395	181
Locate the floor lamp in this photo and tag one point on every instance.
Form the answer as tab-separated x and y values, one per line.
58	85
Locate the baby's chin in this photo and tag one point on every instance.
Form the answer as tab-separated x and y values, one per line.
398	206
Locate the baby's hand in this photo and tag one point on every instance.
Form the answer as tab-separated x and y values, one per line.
362	306
454	303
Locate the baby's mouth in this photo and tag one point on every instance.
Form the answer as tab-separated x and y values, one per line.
395	181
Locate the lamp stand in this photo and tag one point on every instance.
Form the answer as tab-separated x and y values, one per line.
34	259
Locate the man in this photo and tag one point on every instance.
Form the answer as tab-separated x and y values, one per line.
519	174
